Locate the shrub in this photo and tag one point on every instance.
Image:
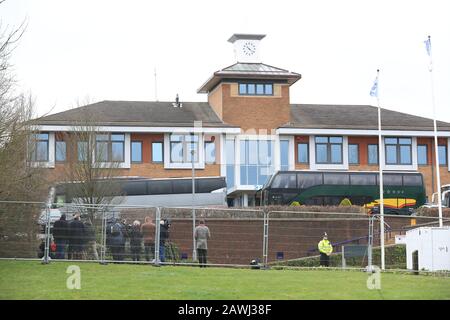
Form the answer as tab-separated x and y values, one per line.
345	202
295	204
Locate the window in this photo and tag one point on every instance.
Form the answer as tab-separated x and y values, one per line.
110	147
136	151
230	152
364	179
256	161
82	150
157	152
329	150
391	179
372	156
260	89
307	180
353	153
336	178
442	155
60	151
284	155
210	152
398	151
285	181
302	153
39	147
422	154
412	180
182	147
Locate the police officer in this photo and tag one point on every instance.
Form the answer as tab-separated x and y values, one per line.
325	249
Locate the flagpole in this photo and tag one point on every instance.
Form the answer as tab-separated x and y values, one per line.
436	144
380	162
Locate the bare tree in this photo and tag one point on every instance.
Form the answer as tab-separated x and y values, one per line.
92	165
17	179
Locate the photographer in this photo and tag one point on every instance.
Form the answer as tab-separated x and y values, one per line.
163	236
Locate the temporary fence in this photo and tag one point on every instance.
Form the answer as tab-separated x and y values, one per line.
256	238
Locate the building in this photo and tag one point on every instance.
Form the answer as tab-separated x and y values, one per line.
247	130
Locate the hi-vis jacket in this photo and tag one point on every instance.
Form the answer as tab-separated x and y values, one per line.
325	246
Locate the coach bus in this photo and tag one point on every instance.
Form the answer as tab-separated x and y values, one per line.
402	190
174	192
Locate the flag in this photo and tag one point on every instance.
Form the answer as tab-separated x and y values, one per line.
428	45
374	90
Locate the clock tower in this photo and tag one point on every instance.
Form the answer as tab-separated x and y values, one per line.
246	47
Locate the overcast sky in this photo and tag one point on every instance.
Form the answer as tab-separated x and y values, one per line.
108	50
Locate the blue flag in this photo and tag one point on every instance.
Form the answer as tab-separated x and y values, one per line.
428	45
374	90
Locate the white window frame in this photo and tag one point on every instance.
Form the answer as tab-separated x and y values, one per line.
408	167
320	166
200	164
51	154
126	164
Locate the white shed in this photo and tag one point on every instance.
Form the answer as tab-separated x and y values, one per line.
430	246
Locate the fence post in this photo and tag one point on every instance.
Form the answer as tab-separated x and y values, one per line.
47	237
266	238
344	264
370	245
103	251
157	234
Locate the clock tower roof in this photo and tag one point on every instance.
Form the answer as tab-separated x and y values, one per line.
245	36
249	71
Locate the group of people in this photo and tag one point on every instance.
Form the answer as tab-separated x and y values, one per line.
139	236
77	238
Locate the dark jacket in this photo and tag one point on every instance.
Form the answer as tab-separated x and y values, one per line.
163	233
61	230
115	234
89	232
76	232
135	236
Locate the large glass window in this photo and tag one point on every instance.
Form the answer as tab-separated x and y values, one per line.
284	155
256	163
182	147
210	152
82	151
136	151
422	154
261	89
398	151
372	154
329	150
60	151
39	147
229	147
110	147
442	155
157	152
353	153
303	153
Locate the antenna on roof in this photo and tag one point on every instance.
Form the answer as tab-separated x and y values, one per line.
177	103
156	87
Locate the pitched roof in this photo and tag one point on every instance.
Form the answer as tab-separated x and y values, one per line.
138	113
309	116
259	71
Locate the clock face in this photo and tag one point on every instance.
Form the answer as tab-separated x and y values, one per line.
249	48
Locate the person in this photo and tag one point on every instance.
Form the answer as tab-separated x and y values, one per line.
136	241
202	235
90	243
325	249
163	237
117	240
76	240
148	233
60	233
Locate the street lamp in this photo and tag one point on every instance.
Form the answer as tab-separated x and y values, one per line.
194	252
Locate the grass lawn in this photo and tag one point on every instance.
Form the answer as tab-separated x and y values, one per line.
31	280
